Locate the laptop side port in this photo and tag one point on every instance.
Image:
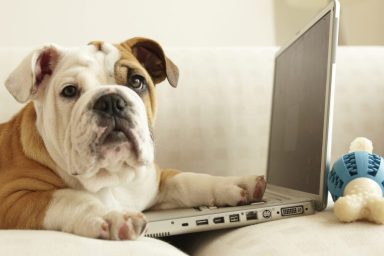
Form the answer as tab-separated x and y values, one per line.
234	218
294	210
218	220
252	215
202	222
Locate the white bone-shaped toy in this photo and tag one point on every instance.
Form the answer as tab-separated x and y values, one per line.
356	183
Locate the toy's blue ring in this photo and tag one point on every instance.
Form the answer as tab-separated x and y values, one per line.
355	165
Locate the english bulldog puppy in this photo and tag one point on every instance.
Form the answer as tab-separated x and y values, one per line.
79	157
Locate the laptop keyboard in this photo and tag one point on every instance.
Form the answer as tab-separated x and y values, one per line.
268	197
205	208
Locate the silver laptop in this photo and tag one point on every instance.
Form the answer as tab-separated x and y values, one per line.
299	144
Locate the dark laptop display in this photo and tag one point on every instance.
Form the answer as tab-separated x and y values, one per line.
298	112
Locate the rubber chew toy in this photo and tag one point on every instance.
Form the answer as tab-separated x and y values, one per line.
356	183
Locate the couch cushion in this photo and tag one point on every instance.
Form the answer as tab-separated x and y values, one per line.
48	243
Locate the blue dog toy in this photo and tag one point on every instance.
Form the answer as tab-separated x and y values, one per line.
356	183
355	165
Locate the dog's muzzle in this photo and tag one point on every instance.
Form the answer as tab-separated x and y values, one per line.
109	130
114	113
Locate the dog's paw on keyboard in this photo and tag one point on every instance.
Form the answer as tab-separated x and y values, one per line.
234	191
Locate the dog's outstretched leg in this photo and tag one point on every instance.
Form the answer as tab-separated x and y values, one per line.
178	189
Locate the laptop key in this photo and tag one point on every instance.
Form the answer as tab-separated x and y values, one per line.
205	208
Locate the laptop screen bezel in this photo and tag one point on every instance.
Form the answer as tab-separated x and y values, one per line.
321	198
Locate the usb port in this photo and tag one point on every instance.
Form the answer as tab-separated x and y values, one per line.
252	215
234	218
185	224
202	222
218	220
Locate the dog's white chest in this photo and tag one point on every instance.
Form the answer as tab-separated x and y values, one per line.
138	194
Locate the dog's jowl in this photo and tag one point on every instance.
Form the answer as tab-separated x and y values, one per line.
79	157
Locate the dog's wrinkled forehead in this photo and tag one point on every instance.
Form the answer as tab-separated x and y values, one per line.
100	61
106	56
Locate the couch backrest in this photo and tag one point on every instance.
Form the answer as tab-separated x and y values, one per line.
217	120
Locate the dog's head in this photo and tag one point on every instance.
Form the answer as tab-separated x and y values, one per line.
96	104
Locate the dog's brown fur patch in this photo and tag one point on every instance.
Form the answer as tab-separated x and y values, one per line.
26	177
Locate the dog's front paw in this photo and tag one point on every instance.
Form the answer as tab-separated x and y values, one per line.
113	226
125	226
239	191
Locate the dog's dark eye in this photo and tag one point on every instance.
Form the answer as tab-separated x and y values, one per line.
137	83
69	91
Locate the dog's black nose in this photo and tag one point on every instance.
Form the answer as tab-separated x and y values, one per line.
112	104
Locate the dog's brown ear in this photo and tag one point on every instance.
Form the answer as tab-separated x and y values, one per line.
150	54
28	77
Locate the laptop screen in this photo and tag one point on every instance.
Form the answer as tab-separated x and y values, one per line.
298	110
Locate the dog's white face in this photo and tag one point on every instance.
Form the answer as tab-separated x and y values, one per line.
95	107
91	125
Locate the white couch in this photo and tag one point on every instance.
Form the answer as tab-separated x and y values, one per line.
217	122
